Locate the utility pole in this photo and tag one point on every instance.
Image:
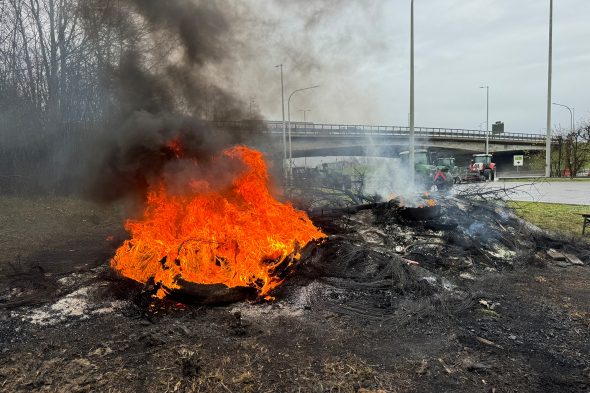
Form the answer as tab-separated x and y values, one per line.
412	159
284	124
549	75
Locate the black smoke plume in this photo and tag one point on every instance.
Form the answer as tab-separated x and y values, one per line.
164	92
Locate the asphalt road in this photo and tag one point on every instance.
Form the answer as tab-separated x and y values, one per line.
573	193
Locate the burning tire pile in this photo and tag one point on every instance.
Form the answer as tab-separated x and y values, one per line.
232	235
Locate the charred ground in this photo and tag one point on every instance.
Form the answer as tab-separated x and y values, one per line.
486	309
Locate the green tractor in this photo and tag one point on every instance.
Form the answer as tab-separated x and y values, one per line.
427	173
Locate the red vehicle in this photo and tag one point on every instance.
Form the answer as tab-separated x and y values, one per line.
481	168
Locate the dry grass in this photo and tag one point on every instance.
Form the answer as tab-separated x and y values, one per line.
30	225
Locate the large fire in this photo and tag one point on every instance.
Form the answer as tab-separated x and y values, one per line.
236	236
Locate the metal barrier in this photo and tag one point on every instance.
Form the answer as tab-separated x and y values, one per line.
335	130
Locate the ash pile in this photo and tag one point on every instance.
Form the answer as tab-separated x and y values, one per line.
388	262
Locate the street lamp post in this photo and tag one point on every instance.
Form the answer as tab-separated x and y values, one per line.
284	124
487	117
571	110
289	122
549	75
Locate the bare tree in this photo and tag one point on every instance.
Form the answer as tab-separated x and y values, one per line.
52	70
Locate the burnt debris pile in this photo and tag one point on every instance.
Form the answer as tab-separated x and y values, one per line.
383	258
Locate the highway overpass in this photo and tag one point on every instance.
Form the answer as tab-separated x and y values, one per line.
314	139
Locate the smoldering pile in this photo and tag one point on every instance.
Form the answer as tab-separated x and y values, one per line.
377	262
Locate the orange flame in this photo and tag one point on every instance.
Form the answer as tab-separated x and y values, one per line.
237	237
429	203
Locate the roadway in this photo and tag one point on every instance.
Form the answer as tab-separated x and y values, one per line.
567	192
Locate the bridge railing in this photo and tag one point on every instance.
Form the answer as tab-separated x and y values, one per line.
320	129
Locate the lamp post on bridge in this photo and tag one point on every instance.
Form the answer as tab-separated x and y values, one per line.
487	117
304	114
289	122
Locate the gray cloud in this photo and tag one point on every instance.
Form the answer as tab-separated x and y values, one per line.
359	52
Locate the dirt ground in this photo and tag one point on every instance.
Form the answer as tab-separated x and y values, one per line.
68	325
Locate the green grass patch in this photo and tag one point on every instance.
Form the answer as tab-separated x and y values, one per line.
552	216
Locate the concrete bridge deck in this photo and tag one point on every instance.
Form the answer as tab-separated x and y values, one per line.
310	139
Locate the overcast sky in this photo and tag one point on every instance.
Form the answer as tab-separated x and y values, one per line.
362	55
